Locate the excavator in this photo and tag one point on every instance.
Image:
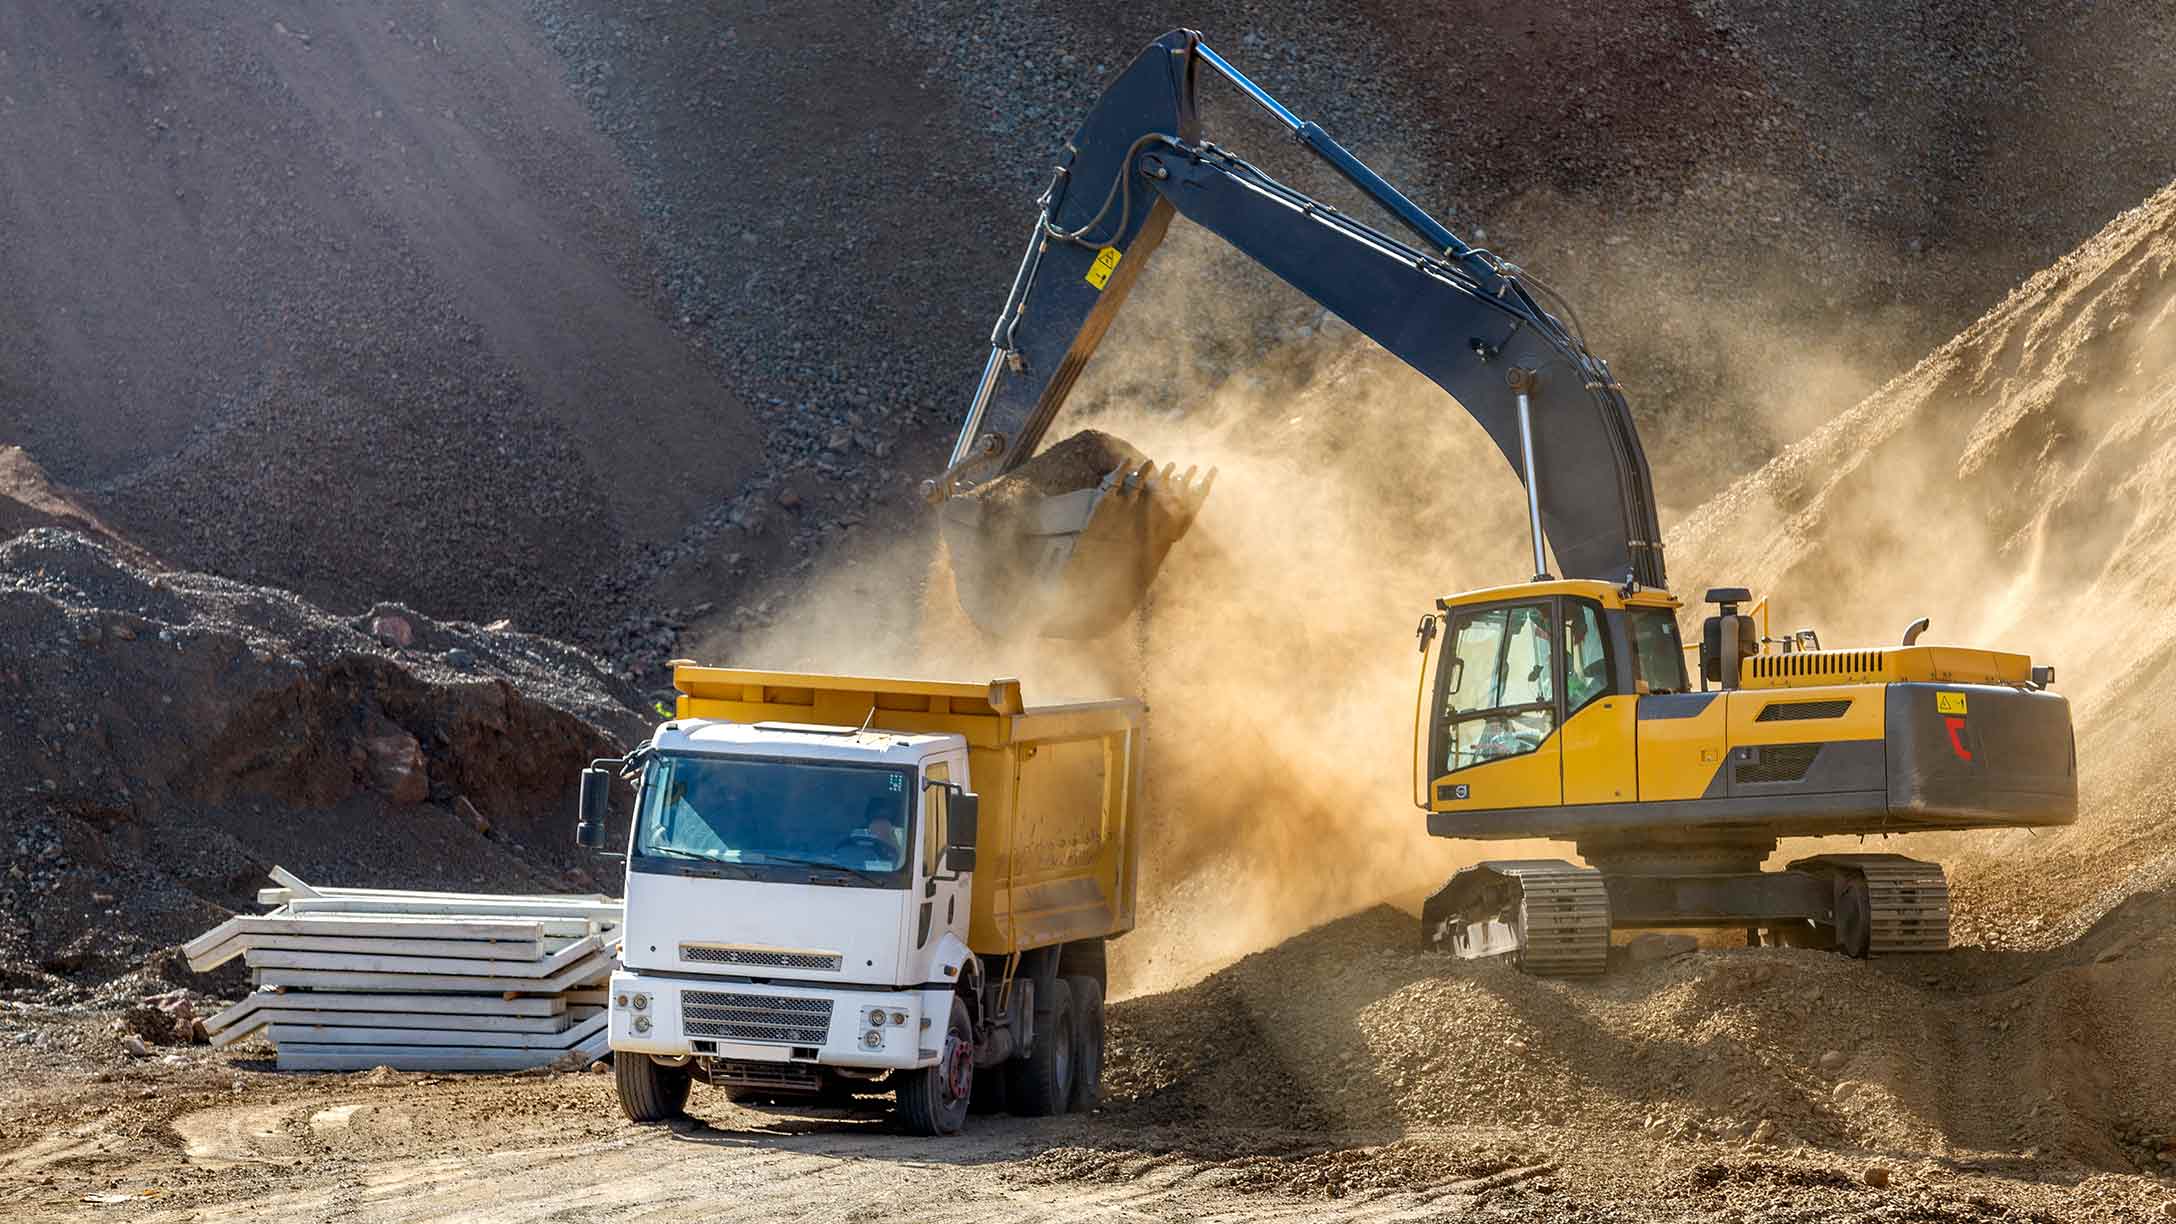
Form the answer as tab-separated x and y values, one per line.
1561	708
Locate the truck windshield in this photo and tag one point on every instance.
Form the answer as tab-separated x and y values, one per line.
775	819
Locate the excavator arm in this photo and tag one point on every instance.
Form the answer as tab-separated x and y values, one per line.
1462	317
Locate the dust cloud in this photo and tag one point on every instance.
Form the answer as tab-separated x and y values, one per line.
1276	651
2013	487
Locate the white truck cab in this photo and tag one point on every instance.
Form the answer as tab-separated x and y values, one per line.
789	900
802	918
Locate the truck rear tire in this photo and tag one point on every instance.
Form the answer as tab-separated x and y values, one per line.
1087	1043
1041	1085
933	1100
648	1092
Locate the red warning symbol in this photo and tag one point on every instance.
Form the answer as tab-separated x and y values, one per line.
1956	738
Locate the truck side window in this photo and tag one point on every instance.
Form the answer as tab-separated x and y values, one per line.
935	797
1504	700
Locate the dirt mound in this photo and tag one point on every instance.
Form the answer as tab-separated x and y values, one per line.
2019	487
1350	1032
168	736
354	303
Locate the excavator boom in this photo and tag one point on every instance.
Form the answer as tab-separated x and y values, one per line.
1464	318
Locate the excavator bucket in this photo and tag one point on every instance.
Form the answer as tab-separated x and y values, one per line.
1070	564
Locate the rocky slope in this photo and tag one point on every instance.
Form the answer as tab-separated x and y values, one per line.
594	314
166	736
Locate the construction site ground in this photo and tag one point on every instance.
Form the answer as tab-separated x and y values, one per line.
1341	1076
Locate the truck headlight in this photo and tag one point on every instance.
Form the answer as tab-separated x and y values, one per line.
641	1001
899	1017
619	1000
874	1018
873	1039
642	1024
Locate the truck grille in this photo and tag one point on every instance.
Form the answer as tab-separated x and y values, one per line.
774	1019
761	958
740	1073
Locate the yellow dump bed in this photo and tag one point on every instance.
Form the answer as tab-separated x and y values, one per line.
1057	855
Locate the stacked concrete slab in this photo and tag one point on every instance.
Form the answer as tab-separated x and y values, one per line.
351	978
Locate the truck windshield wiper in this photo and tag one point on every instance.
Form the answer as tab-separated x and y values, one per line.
695	856
814	865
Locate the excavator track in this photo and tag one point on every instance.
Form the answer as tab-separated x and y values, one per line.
1886	904
1551	916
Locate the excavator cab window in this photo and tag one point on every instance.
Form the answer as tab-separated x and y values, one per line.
1656	651
1586	654
1500	690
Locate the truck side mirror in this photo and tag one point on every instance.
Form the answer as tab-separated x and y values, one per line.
594	808
963	815
959	860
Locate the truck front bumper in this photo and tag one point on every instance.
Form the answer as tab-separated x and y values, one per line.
775	1022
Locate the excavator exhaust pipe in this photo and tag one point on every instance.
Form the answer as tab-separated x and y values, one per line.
1069	564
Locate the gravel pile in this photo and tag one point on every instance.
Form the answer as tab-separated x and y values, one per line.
1348	1033
2015	487
166	737
361	309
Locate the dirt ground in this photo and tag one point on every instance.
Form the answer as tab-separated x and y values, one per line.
1979	1086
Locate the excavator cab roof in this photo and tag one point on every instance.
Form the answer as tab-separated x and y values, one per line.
1608	594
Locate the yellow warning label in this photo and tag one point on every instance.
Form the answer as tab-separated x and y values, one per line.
1100	271
1949	703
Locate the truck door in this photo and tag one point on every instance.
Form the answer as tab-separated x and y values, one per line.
943	900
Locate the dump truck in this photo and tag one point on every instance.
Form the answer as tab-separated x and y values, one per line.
843	885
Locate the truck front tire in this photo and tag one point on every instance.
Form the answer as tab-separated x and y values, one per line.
1041	1085
648	1092
1087	1043
933	1100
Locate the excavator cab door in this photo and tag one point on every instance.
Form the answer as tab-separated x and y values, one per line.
1601	724
1492	725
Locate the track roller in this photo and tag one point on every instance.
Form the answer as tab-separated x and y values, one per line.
1886	904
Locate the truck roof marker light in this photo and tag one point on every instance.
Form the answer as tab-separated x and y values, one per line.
794	728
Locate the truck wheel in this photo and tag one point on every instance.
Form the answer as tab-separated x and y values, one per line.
933	1100
648	1092
1087	1043
1042	1083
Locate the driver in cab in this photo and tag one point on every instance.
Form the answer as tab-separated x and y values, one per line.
879	834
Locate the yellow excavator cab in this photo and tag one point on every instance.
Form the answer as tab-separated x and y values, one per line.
1563	709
